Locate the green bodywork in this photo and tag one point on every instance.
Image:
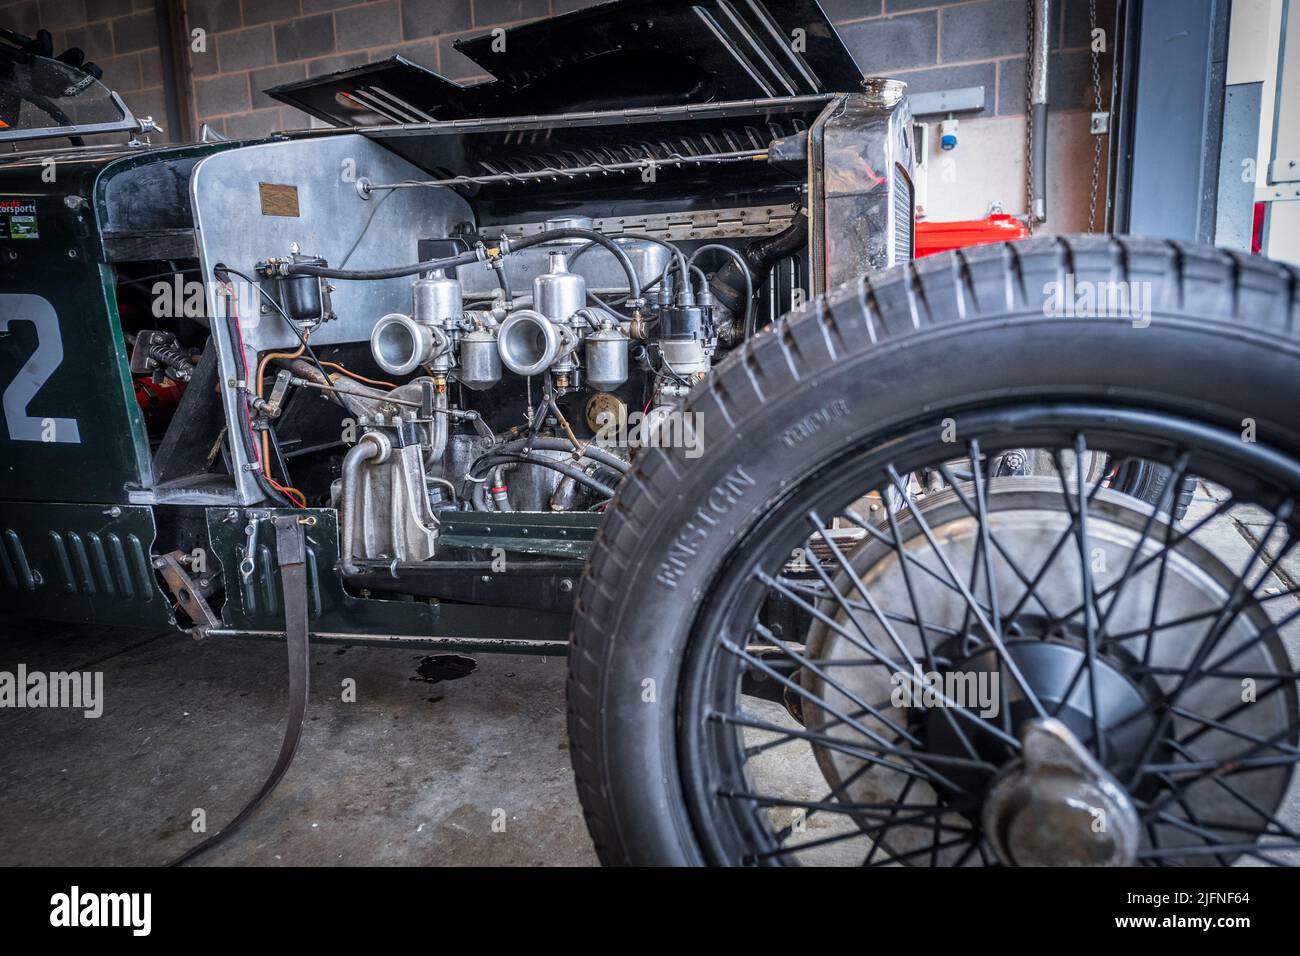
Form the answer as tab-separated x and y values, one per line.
77	562
558	534
66	267
255	604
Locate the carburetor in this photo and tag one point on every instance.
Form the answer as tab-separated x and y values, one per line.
548	336
428	336
471	346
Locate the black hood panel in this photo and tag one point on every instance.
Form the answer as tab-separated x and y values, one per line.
623	54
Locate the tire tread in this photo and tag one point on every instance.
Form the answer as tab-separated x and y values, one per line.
1221	286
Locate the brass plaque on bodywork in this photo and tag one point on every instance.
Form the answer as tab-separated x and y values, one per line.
278	199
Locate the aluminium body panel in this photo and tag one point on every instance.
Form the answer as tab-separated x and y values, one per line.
334	219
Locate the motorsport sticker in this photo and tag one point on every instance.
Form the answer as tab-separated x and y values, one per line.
18	219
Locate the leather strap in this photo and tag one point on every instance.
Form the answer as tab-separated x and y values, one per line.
291	556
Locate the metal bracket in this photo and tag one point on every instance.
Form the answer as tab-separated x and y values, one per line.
967	99
186	592
1100	124
248	563
1284	171
1278	193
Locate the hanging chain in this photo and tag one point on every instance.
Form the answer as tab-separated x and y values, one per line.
1029	115
1096	96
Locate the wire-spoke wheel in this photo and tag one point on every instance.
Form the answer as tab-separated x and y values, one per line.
934	637
956	582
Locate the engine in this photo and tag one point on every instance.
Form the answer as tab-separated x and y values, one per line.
533	368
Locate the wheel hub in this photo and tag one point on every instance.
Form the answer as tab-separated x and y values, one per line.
1049	668
1057	806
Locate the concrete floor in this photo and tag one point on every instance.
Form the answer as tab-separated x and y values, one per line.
411	773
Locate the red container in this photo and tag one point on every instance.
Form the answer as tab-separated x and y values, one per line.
932	237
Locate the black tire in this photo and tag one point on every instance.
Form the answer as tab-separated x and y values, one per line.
962	330
1145	480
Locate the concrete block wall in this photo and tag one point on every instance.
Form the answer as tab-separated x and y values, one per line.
250	45
256	44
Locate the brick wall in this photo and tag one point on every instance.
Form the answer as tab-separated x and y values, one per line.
250	45
932	44
258	44
936	45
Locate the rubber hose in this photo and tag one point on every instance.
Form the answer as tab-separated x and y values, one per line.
594	452
578	475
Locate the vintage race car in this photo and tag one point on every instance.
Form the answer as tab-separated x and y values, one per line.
625	355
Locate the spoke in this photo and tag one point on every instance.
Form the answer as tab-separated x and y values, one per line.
982	549
1061	542
1222	622
861	751
1273	630
1251	805
877	844
1165	504
1206	672
753	750
734	648
856	834
1224	825
1282	681
967	854
868	648
820	594
982	506
911	591
1157	596
1225	716
1202	616
1232	731
993	634
834	794
1229	766
1025	579
900	857
1089	602
924	770
872	811
925	643
1188	826
1218	511
807	664
860	522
